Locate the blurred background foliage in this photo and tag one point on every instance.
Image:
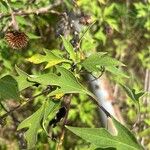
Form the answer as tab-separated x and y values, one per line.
121	28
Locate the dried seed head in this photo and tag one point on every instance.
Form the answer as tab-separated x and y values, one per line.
16	39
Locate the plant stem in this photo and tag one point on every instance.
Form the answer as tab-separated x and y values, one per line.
22	105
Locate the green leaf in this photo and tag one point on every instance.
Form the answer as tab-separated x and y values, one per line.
108	11
32	36
3	6
113	23
8	88
66	82
131	93
21	20
49	57
33	123
69	49
101	36
101	138
22	79
116	71
50	108
96	60
46	79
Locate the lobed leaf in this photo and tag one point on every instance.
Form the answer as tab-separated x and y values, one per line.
33	123
22	79
131	93
66	82
95	61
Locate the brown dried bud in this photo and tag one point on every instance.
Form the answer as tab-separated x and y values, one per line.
16	39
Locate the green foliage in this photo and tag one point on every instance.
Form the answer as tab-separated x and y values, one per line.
69	49
95	61
33	123
101	138
83	110
119	35
67	82
132	94
8	88
22	79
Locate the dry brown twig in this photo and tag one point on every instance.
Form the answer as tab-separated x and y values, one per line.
42	10
13	19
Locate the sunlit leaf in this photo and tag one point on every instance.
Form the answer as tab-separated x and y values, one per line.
108	11
49	57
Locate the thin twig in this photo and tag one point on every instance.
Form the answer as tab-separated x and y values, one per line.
22	105
41	10
80	40
13	21
3	106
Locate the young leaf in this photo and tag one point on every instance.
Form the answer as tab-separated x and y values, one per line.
69	48
101	138
49	57
108	11
8	88
33	123
113	23
96	60
131	93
